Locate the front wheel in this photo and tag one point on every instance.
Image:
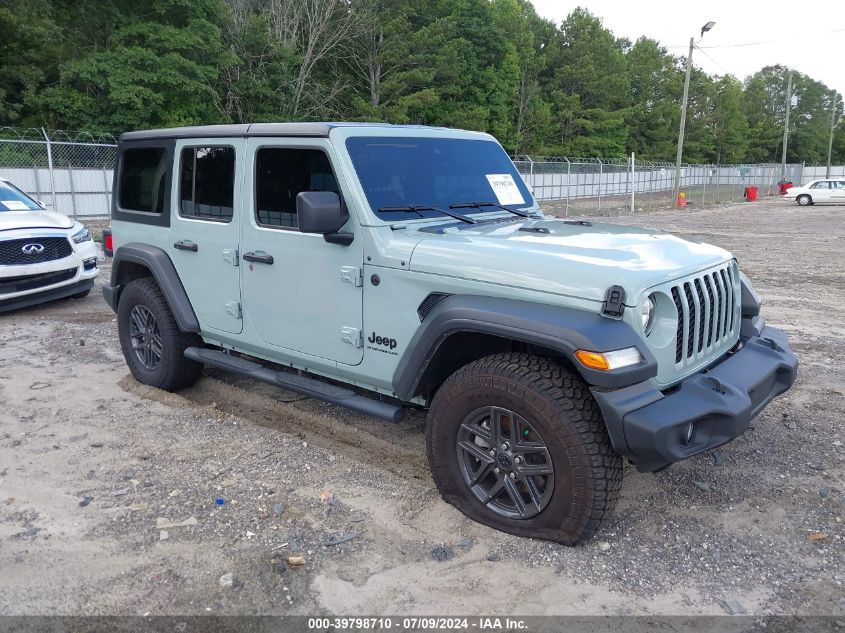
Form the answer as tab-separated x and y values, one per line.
518	443
152	343
804	200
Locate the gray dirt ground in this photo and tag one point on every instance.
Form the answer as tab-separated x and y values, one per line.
735	525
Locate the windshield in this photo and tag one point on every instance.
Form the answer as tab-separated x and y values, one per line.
435	172
13	199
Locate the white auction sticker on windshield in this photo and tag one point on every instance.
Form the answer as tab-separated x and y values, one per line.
505	189
14	205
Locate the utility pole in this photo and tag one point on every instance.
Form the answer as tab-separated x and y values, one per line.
786	126
680	151
833	105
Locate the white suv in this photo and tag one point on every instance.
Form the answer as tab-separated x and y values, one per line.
44	255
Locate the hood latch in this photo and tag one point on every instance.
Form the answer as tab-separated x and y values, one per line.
614	301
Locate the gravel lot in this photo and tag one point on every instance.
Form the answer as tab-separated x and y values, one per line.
92	463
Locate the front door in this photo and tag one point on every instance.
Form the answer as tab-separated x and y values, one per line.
300	292
820	191
205	228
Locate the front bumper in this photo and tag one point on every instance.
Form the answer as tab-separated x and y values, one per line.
649	426
81	268
43	296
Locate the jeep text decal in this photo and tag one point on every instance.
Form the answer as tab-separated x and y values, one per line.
385	344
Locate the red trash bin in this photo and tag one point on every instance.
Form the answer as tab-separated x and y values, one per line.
751	194
783	185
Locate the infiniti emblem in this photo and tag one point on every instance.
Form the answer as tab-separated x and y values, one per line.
32	249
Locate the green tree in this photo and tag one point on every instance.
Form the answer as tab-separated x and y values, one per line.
158	68
729	125
28	59
654	113
588	87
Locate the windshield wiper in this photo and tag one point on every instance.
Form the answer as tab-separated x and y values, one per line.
478	205
418	208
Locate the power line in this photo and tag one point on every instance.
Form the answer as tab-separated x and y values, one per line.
764	42
713	60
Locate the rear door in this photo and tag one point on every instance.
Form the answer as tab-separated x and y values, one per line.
205	229
300	292
837	193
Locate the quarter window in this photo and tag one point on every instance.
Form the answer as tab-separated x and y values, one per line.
143	179
281	174
207	183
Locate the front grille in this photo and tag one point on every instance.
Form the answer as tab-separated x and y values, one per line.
12	251
706	307
9	285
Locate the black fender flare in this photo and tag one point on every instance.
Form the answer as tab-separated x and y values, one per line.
564	330
163	271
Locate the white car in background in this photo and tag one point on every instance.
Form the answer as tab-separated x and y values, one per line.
830	190
44	255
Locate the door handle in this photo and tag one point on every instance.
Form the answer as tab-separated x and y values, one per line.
186	245
261	259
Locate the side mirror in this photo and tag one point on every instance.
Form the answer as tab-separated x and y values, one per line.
322	212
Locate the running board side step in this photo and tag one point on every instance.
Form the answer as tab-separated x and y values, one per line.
299	384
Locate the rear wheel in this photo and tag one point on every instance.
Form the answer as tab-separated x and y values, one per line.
804	200
152	343
517	442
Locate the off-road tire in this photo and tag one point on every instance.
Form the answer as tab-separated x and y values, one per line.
174	371
804	200
558	404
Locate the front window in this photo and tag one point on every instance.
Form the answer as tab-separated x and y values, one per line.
281	174
13	199
435	172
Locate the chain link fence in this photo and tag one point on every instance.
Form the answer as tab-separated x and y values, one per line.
70	172
597	186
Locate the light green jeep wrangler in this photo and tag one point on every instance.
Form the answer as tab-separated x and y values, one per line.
384	267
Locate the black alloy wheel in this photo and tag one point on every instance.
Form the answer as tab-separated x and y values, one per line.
505	462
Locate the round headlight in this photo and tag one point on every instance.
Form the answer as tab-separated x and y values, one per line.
647	314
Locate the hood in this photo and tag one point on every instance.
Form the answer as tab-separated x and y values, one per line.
563	257
11	220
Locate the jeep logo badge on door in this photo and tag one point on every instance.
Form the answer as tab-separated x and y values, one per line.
389	343
32	249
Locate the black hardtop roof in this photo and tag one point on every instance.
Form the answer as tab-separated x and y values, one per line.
255	129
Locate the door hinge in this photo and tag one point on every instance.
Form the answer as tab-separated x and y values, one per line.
234	308
230	255
352	335
352	275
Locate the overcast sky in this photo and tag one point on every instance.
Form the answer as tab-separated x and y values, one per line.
809	37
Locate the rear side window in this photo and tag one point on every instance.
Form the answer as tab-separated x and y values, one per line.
281	173
822	184
207	183
143	179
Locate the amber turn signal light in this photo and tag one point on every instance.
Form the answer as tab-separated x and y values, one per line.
606	361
